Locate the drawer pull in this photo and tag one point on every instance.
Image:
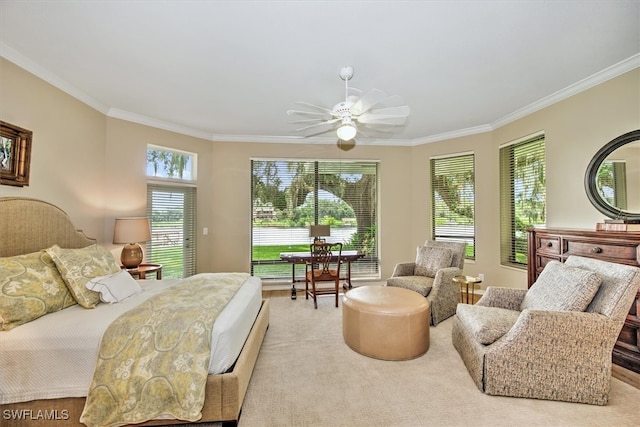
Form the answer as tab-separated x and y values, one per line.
596	250
549	244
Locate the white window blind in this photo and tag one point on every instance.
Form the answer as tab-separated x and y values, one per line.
522	196
290	195
453	200
172	213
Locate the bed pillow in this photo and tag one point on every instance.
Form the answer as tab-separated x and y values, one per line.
115	287
431	259
562	288
78	266
30	287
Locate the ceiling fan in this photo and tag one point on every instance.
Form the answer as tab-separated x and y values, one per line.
370	114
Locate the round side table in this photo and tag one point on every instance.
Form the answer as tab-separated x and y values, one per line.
143	269
466	281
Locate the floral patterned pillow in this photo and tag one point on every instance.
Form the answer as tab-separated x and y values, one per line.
30	287
78	266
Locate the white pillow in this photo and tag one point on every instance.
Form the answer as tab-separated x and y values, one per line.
114	287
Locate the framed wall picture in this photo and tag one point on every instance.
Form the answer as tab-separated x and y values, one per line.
15	155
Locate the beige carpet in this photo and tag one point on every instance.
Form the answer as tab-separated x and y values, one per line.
307	376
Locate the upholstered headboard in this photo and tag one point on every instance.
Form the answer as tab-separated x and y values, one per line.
29	225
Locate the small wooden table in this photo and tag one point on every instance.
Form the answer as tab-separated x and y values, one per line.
142	270
463	280
304	257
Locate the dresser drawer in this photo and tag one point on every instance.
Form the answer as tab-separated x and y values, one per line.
548	245
625	254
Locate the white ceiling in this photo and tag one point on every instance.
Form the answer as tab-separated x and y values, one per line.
229	70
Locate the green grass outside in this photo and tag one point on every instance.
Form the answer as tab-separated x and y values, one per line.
272	252
171	259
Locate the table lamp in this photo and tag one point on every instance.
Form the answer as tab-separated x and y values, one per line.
318	231
131	231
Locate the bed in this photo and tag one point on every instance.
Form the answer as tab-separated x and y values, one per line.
30	225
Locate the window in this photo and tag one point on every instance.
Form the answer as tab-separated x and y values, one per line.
171	208
522	196
453	200
174	165
288	196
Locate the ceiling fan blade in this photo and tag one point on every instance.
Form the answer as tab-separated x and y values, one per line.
317	130
307	113
354	94
400	110
368	100
317	107
327	123
380	113
317	121
382	118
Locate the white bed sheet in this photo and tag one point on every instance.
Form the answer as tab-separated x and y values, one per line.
55	355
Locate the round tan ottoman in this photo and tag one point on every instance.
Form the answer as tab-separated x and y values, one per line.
385	322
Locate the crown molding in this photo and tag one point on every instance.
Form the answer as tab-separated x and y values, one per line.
34	68
140	119
600	77
454	134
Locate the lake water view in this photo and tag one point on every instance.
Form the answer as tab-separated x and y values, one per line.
297	235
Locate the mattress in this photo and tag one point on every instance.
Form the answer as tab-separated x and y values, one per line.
54	356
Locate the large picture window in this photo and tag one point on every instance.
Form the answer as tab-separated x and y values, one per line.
290	195
453	200
522	196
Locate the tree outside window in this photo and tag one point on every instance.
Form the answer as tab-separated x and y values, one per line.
289	196
453	200
522	197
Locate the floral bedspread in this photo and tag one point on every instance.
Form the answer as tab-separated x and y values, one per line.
154	359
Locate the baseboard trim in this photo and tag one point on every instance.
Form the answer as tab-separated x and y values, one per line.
626	375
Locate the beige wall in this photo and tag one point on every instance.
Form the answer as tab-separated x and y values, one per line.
68	148
126	181
93	167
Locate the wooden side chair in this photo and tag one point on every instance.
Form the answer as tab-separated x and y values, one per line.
324	266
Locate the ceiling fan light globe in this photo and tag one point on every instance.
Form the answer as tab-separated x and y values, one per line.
347	132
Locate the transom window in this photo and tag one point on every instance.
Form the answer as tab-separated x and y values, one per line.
171	164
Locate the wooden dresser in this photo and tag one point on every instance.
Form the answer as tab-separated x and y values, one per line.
546	244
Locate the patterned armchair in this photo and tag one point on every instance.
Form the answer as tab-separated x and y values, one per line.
553	341
432	275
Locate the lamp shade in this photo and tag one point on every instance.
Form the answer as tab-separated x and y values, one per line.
131	230
319	230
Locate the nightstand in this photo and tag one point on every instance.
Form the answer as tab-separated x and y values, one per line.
143	269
